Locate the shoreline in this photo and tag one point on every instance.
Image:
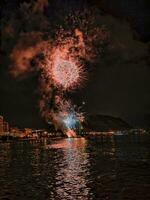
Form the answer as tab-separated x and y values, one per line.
5	138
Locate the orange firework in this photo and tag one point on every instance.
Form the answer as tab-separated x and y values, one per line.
63	62
59	60
66	74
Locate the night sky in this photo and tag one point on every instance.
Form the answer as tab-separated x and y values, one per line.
118	82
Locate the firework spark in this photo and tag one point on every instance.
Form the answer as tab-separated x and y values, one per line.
60	61
63	62
66	74
66	116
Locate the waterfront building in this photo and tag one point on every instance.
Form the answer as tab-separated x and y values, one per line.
1	125
28	132
5	127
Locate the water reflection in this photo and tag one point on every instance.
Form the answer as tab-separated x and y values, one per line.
111	168
69	143
73	169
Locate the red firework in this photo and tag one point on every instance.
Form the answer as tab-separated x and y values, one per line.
66	74
63	64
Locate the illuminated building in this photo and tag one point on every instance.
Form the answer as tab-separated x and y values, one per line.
5	126
1	124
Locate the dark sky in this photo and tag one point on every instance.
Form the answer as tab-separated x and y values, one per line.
118	82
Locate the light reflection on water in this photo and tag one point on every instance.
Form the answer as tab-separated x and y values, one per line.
71	179
110	167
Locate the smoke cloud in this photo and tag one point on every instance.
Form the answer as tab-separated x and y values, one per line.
58	54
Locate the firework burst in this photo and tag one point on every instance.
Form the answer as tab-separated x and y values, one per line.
63	63
66	74
60	62
67	117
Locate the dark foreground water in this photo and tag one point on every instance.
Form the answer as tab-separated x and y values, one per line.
110	168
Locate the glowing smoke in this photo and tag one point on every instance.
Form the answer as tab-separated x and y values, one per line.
66	116
59	60
63	64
